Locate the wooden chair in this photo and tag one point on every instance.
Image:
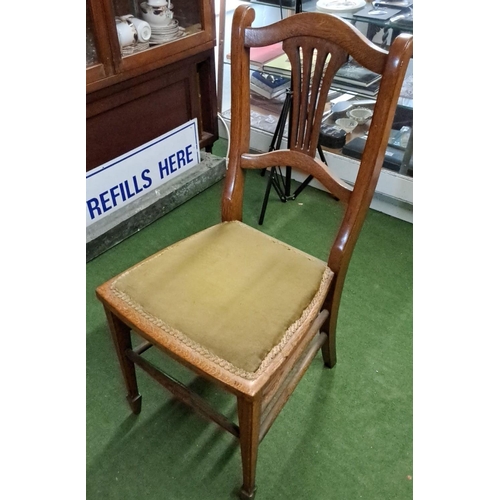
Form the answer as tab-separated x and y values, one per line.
238	307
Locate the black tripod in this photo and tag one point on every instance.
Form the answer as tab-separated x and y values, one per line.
282	183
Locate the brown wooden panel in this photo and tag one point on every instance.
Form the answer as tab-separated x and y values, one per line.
141	116
207	90
99	16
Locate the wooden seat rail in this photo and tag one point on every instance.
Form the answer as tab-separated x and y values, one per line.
275	396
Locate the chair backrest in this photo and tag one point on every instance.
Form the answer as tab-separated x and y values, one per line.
317	44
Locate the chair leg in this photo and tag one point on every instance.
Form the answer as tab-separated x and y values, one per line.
329	350
120	333
332	303
249	424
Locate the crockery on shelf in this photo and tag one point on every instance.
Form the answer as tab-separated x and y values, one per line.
361	115
347	124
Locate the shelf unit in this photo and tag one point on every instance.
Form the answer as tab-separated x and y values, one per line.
132	99
394	192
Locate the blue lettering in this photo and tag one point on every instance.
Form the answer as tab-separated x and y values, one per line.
163	168
181	160
171	161
114	195
136	186
189	153
127	189
147	180
174	162
93	206
104	201
122	191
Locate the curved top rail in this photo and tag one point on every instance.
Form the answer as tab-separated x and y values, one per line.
316	24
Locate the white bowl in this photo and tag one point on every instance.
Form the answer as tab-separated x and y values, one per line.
347	124
361	115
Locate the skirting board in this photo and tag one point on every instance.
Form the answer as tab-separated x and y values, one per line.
118	226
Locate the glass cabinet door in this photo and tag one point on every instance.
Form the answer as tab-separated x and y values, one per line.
145	24
98	54
92	56
149	30
139	35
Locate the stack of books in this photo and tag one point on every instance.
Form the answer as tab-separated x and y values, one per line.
354	78
351	77
280	65
267	85
262	55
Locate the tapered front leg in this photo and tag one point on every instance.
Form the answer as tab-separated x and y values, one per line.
120	333
249	423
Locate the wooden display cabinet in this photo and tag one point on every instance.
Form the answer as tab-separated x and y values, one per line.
134	98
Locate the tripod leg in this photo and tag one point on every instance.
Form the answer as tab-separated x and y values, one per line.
323	159
272	181
276	142
321	154
266	196
288	181
310	178
280	127
302	187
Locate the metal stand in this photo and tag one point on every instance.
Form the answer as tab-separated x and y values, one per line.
282	183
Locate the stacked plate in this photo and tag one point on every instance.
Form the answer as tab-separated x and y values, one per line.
134	48
162	34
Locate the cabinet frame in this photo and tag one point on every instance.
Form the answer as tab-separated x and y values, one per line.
113	68
113	74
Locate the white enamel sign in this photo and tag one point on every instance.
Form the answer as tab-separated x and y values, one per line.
126	178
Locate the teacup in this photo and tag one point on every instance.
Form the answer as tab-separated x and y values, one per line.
159	15
127	35
143	29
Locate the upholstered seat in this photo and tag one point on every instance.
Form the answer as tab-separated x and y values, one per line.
230	292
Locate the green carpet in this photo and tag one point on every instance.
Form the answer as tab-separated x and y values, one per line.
345	433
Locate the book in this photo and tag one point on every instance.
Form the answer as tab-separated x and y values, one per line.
272	84
350	76
266	93
261	55
281	65
351	72
370	91
278	66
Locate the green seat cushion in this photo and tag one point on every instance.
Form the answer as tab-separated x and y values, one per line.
230	291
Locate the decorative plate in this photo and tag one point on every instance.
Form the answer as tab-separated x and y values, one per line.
339	5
